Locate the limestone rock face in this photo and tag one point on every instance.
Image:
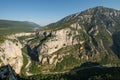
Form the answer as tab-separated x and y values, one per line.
76	26
94	31
11	54
63	38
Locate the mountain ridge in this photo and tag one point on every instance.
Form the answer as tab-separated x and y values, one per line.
98	24
91	12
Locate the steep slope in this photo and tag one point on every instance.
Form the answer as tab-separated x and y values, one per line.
12	39
11	51
97	15
78	38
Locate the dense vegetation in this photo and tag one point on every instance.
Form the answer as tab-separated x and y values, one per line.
56	26
116	41
34	68
25	61
66	63
94	73
2	38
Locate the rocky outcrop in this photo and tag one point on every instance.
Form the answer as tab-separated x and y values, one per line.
23	34
11	53
76	26
61	38
94	30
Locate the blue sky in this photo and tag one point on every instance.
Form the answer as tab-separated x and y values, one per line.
44	12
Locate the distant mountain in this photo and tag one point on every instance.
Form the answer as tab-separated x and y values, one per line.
97	15
8	26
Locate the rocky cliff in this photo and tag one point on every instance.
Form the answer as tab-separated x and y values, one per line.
11	53
82	37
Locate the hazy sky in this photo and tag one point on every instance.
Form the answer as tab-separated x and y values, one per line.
47	11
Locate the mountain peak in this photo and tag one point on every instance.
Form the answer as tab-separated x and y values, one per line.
98	10
95	11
